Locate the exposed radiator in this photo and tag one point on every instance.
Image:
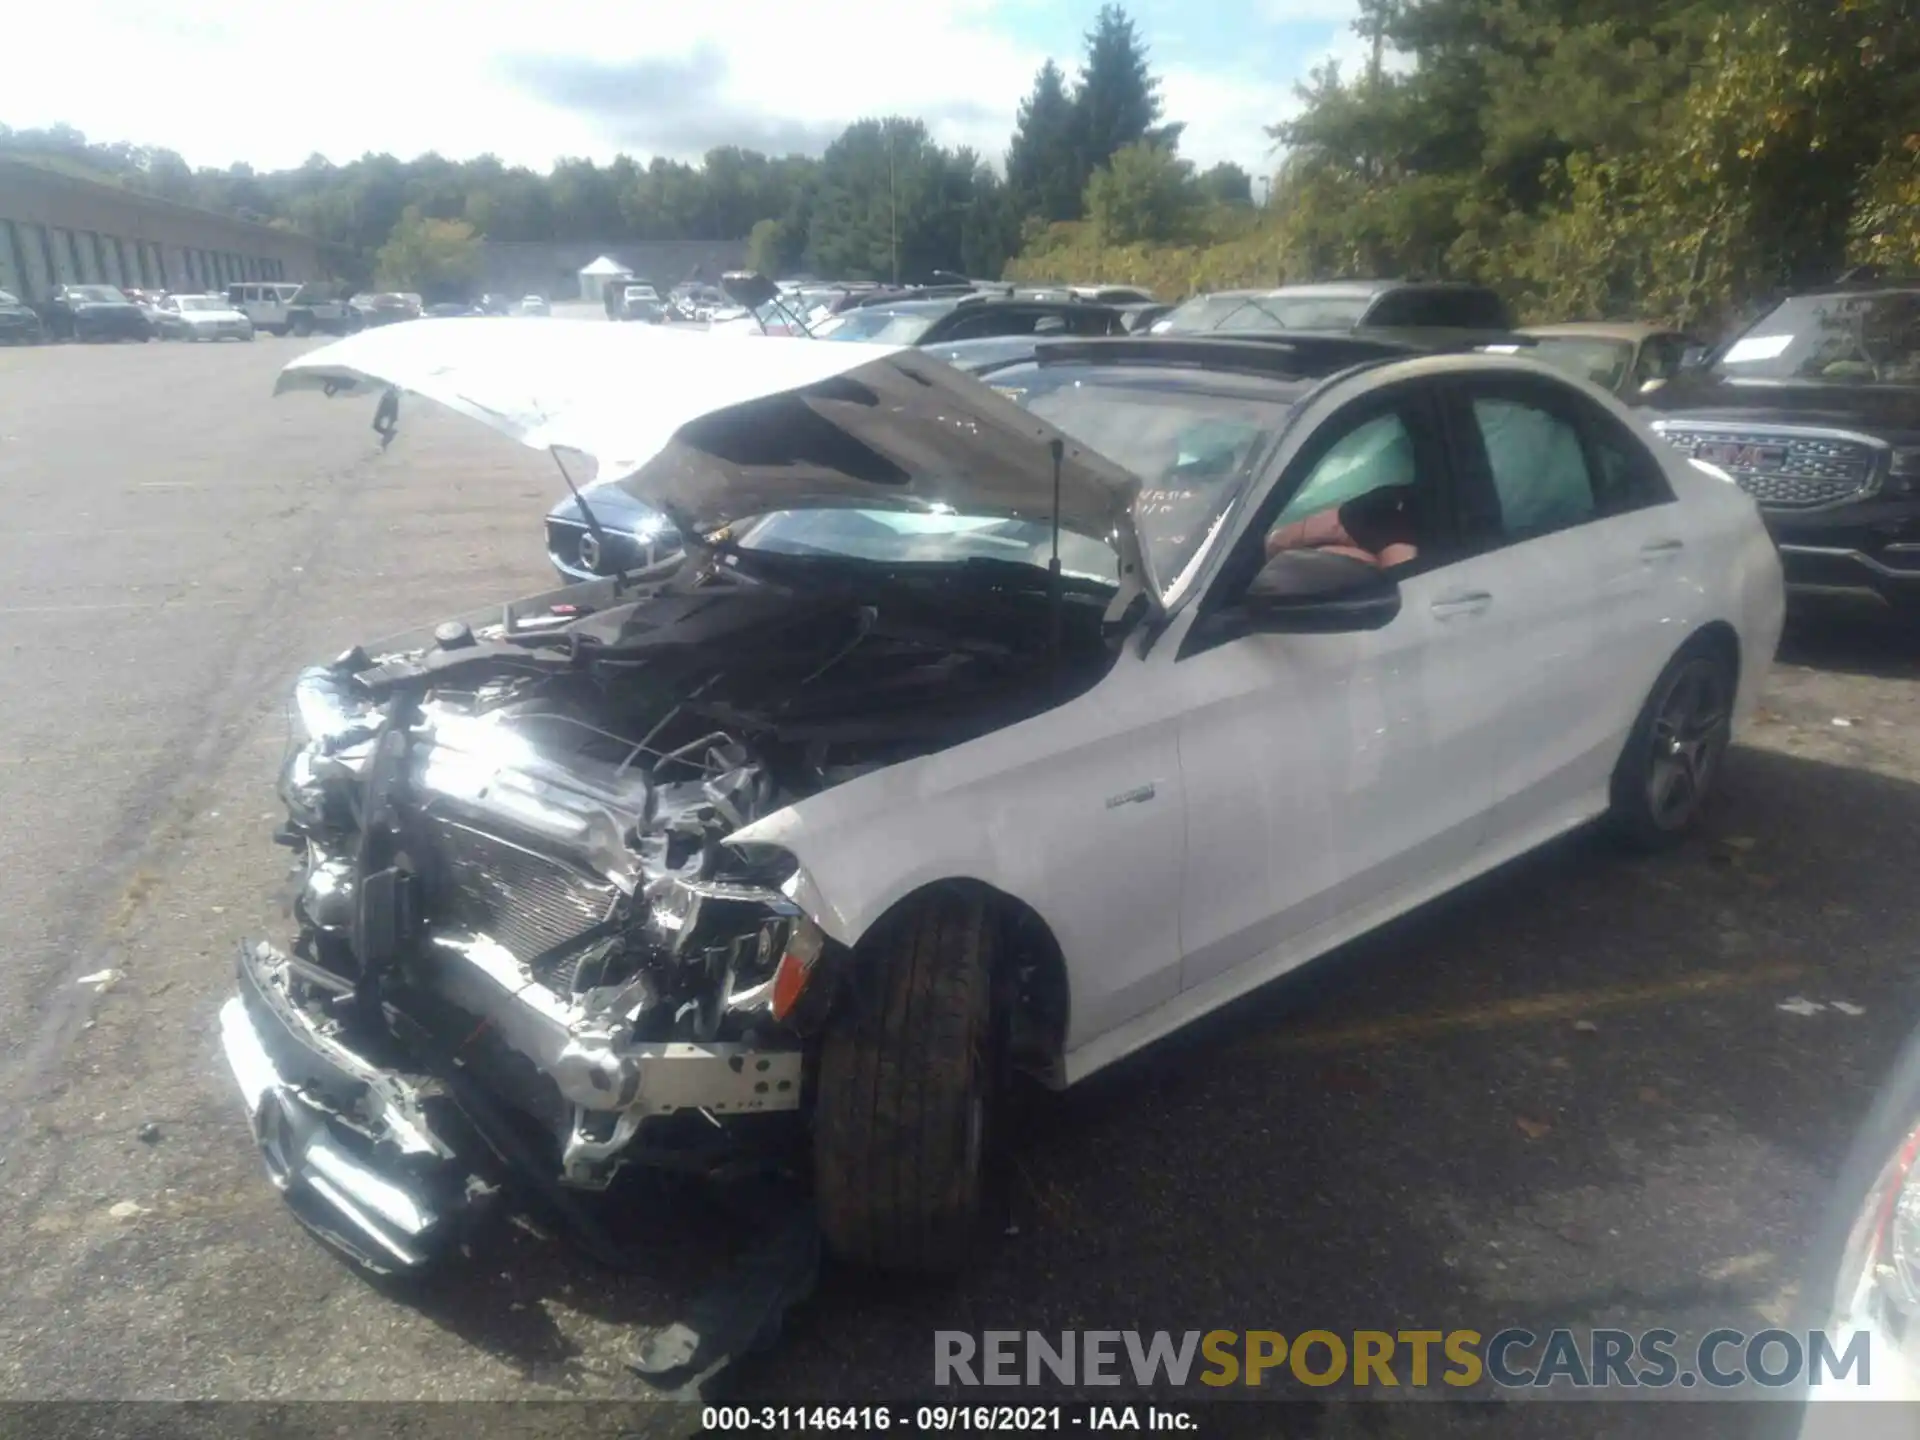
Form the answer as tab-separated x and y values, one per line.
528	902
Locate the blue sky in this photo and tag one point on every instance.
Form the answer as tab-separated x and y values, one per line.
596	77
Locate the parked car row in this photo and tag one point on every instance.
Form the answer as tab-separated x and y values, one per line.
100	313
110	312
1814	410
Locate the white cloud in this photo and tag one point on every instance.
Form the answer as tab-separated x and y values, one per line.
270	83
1226	117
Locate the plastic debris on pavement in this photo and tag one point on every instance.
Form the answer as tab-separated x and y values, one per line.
740	1313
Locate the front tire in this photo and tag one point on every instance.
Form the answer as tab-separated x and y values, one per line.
1674	752
907	1083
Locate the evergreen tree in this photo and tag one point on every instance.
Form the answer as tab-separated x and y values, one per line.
1117	102
1043	177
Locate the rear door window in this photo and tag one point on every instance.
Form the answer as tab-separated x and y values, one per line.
1538	467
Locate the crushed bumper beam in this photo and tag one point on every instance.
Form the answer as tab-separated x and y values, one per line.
394	1168
357	1150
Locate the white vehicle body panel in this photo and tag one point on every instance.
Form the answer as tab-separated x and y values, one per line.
212	319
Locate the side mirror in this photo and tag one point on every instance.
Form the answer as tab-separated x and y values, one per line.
1302	592
1694	357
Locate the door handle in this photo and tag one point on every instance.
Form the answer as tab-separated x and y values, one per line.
1655	551
1470	602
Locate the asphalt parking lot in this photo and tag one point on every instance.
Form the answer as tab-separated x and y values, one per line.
1570	1096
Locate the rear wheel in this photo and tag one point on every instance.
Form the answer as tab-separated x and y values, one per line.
1674	752
301	325
906	1086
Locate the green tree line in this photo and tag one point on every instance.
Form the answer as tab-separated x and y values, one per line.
1673	159
884	197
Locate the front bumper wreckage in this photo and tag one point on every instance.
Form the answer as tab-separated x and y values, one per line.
364	1155
395	1168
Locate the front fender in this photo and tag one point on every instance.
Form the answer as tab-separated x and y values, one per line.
1078	813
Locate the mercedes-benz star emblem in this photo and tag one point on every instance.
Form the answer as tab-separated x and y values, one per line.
589	551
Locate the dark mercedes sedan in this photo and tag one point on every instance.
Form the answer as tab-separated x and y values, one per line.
95	312
633	536
18	323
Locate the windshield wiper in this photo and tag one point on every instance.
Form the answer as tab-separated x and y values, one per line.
1278	323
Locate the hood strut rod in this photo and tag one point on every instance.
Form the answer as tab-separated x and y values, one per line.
593	521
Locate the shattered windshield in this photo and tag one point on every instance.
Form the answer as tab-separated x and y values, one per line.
1865	339
1193	444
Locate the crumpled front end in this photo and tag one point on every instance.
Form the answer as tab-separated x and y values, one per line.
521	947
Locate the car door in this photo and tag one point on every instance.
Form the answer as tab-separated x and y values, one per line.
1585	537
1334	778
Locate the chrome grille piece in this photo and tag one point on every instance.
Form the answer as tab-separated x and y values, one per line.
529	903
1785	469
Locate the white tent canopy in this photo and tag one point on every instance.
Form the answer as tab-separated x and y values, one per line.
596	277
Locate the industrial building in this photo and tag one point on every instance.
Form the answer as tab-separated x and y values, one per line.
58	229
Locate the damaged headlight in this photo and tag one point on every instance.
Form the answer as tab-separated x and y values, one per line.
303	792
804	943
328	713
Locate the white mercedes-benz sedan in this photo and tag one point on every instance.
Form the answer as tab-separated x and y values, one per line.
986	725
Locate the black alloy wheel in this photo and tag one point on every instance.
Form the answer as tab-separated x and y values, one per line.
1674	753
1690	733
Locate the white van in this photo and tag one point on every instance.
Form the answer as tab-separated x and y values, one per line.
265	304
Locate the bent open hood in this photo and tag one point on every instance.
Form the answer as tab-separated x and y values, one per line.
712	433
